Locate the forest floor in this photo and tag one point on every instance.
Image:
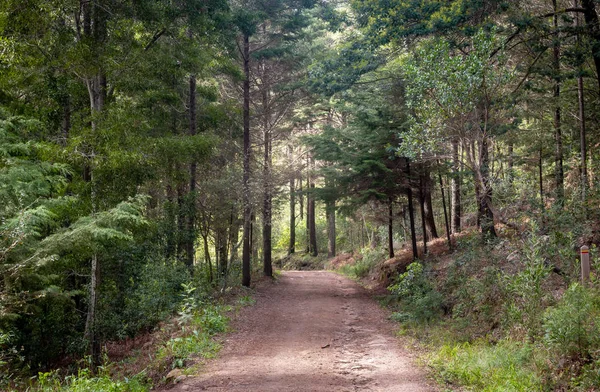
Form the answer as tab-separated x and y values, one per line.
311	331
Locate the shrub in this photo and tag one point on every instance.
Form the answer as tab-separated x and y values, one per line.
528	299
572	327
83	381
418	297
365	264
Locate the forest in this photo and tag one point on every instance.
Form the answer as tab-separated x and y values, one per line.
156	155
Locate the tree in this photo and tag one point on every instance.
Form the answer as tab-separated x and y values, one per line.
456	96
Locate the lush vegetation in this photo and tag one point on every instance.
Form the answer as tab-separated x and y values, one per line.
153	154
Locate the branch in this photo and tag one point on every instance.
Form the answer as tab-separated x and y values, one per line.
563	11
155	38
529	70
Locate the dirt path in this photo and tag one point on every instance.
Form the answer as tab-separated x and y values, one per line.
311	331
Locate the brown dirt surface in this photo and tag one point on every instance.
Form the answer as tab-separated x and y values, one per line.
311	331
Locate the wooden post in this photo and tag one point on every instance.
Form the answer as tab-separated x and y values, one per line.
585	264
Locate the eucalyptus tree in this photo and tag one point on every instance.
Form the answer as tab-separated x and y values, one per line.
458	96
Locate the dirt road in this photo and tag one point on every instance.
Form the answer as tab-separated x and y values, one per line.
311	331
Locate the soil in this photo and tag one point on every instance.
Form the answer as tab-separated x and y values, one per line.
311	331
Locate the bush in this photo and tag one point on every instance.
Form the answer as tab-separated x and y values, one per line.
418	297
365	264
572	327
199	322
528	299
85	382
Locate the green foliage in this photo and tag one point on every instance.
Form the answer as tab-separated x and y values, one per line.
478	299
446	88
527	297
506	366
199	321
152	296
85	381
364	264
572	327
419	300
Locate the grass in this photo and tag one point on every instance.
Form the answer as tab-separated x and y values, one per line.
84	381
504	367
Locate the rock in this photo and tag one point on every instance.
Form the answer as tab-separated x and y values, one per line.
174	374
179	379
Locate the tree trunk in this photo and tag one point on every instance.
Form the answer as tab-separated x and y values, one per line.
267	207
207	257
456	180
292	246
331	232
234	235
485	193
411	212
312	228
191	208
429	217
593	27
446	220
301	196
94	29
246	174
390	227
558	153
308	195
180	221
422	205
171	217
582	125
221	250
541	184
66	120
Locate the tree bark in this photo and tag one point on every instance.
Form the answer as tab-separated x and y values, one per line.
429	217
221	246
331	231
390	227
267	207
246	175
558	152
95	29
312	228
411	212
582	124
541	178
593	26
422	205
292	246
171	217
456	180
446	220
207	257
485	193
191	210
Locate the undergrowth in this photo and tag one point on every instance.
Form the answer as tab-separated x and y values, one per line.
507	315
505	366
364	263
197	323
